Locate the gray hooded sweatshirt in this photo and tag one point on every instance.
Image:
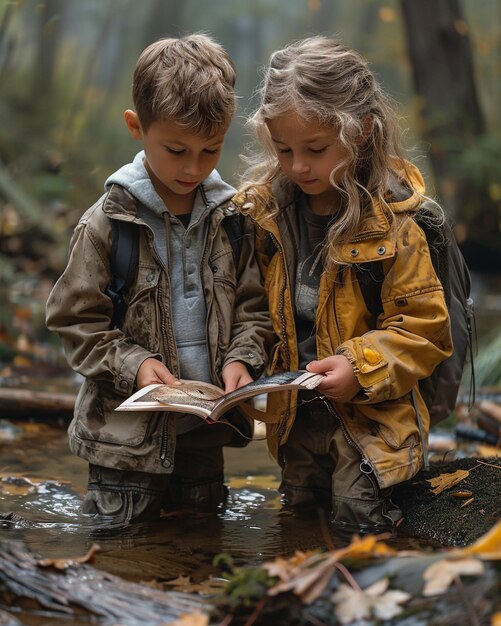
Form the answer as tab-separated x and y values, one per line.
181	254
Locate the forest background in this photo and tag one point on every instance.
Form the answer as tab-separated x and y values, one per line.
65	80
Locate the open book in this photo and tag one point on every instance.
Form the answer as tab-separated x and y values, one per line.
210	402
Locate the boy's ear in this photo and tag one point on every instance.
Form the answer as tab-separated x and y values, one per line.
133	124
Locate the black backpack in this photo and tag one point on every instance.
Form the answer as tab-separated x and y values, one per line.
440	390
125	254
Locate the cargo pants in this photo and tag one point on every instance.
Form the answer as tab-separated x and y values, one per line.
320	468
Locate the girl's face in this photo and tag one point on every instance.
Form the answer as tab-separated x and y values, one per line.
307	152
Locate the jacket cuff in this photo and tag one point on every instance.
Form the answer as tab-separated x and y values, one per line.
125	380
370	368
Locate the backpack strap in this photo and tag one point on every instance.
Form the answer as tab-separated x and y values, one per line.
234	227
123	263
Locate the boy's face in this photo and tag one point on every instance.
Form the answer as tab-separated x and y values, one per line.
177	160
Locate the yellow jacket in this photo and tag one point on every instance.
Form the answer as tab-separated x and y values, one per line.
388	421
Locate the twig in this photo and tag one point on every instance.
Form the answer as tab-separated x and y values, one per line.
488	465
348	576
466	601
255	613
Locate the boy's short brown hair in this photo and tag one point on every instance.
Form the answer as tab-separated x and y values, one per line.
189	80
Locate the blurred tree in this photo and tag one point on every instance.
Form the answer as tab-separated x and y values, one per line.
46	53
465	160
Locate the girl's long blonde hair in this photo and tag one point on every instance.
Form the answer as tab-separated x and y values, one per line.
321	79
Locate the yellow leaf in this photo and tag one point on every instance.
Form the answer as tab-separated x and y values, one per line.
488	546
439	576
191	619
446	481
496	619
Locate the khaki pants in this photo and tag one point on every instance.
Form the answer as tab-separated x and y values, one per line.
320	468
119	497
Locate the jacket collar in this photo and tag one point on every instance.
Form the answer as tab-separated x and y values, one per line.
376	237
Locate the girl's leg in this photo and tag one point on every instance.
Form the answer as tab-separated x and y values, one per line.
358	503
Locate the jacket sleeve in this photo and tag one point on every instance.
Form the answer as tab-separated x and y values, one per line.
252	333
79	310
413	331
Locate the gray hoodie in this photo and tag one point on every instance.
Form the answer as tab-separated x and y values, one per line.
181	252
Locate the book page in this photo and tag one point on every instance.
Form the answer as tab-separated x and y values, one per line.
301	379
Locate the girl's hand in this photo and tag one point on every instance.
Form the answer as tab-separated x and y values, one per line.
235	375
153	371
340	383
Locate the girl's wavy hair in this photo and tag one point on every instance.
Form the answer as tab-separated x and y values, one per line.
189	80
321	79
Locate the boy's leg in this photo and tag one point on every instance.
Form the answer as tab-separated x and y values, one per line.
198	478
358	503
119	497
306	464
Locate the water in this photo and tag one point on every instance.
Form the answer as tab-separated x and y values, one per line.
43	483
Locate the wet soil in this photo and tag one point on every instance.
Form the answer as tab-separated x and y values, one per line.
444	518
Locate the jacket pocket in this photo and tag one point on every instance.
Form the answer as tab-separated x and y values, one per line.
96	420
396	422
142	321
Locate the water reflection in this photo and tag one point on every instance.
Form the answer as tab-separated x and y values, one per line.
41	486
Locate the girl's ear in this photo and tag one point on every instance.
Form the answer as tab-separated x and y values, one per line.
133	124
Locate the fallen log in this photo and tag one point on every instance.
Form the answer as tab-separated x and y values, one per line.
15	402
82	590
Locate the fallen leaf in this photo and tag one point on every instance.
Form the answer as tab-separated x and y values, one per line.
488	546
191	619
65	563
446	481
439	576
307	574
285	568
185	585
357	604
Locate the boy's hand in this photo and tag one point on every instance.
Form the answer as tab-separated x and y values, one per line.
340	383
235	375
153	371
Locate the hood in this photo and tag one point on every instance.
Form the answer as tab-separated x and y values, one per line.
135	179
406	189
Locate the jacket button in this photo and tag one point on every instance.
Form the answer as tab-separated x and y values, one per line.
381	250
124	384
354	252
150	277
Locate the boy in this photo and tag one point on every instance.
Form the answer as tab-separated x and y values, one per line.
193	311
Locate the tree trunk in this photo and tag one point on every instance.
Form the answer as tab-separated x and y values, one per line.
48	38
452	120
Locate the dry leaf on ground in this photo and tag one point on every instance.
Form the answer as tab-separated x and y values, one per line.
357	604
439	576
488	546
65	563
191	619
446	481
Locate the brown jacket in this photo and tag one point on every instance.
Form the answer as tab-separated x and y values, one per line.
388	422
78	309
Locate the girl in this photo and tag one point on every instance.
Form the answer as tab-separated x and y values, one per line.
333	200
